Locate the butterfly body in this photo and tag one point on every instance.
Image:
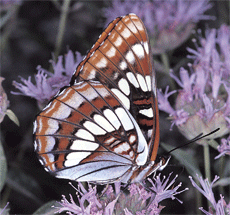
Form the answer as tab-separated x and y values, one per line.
104	126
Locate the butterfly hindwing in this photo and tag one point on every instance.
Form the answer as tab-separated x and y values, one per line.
86	124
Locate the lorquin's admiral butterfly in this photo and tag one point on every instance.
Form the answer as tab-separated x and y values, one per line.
104	126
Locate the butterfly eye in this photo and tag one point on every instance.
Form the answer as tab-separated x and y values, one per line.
104	126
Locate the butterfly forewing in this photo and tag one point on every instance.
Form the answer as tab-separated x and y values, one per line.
104	126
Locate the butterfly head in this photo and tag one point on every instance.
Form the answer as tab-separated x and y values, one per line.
141	172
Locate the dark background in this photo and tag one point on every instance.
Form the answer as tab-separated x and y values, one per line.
30	43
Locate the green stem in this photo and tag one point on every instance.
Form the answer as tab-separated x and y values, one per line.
213	144
207	164
5	196
198	199
9	22
165	61
61	29
207	161
221	172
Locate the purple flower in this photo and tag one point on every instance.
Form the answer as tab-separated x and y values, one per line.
47	84
71	207
186	83
86	197
224	148
116	201
203	103
223	41
220	207
169	23
162	189
227	109
204	51
163	101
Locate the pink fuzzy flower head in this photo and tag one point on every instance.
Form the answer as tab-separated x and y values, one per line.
47	84
115	201
203	103
169	23
218	208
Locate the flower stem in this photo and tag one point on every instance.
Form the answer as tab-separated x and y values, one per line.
198	200
207	163
61	29
165	60
213	144
8	22
221	172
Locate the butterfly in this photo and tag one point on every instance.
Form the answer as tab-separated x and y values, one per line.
104	126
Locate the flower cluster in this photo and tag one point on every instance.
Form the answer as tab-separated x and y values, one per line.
220	207
203	103
169	23
47	83
139	201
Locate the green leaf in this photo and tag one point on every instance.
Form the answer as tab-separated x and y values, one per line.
222	182
5	210
12	116
48	208
3	167
18	180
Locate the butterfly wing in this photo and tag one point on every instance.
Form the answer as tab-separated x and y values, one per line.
121	60
105	124
85	134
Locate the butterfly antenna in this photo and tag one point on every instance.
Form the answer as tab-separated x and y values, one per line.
198	137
